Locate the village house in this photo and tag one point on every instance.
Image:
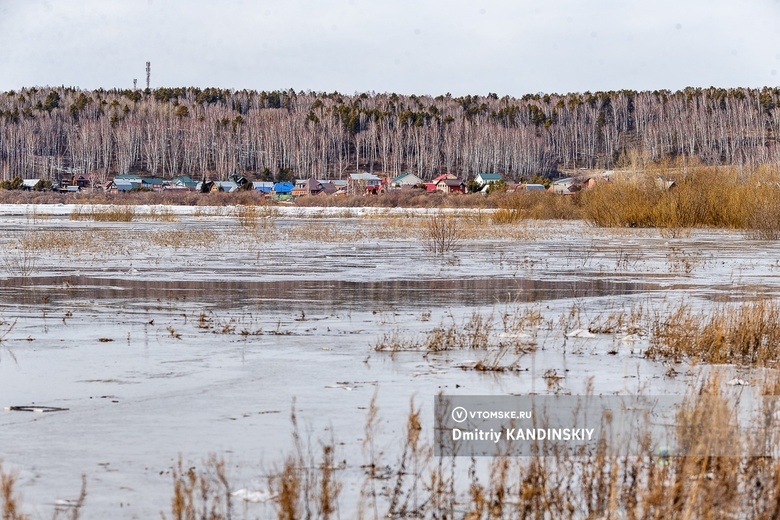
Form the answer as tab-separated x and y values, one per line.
567	186
283	190
443	176
122	185
451	186
532	187
216	186
364	184
73	183
406	180
207	187
182	182
313	187
487	178
227	186
264	187
434	184
153	183
32	184
125	182
340	185
132	181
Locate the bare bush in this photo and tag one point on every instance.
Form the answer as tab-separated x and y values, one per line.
441	234
21	258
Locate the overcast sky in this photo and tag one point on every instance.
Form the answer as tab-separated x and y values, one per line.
432	47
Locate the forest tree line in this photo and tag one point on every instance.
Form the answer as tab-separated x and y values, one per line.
211	133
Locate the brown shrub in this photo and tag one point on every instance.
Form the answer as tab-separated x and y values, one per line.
535	205
746	335
701	197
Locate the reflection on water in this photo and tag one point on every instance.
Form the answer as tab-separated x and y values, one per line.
314	293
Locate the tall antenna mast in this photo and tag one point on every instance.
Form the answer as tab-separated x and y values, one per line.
148	72
135	82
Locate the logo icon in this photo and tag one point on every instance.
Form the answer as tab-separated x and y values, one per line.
459	414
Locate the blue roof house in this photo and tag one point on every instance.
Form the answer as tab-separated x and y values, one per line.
283	188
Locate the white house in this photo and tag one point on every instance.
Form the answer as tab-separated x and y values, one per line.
31	184
565	186
488	178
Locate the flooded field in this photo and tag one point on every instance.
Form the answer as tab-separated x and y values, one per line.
183	333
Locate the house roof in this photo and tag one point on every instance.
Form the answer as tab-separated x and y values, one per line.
263	186
336	182
283	187
185	180
124	184
227	186
443	176
535	187
363	177
490	176
309	185
406	178
30	183
329	188
453	182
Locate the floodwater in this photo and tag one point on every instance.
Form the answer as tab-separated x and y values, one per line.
314	294
161	352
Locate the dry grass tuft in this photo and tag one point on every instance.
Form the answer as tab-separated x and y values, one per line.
162	214
506	216
304	487
183	239
502	343
247	216
764	223
9	501
10	507
536	206
701	197
632	321
72	511
201	494
744	334
73	242
104	213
